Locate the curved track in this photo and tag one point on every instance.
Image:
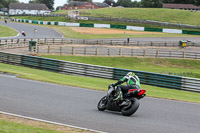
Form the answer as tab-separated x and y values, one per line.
49	33
42	32
77	106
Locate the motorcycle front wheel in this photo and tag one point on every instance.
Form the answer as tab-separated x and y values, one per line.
131	109
102	103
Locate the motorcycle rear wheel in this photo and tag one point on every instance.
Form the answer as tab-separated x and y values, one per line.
132	109
102	103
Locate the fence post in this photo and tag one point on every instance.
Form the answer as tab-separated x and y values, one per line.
102	42
45	41
60	50
38	49
96	51
108	51
84	50
132	52
62	41
144	53
138	43
156	53
48	49
183	54
120	51
73	50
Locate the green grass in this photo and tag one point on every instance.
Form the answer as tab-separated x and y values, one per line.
156	14
181	67
11	127
94	83
6	31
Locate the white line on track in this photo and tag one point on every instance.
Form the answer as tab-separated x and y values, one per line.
50	122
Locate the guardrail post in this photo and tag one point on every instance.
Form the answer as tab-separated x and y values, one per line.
144	53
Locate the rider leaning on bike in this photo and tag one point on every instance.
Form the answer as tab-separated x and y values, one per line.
132	81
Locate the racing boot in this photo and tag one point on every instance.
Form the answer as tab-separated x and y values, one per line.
126	102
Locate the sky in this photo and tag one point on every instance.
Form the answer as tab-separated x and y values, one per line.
61	2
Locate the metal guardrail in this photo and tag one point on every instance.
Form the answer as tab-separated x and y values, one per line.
66	67
48	41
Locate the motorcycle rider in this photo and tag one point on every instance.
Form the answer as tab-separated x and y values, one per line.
132	81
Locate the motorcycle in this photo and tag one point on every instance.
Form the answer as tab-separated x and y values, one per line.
127	106
23	33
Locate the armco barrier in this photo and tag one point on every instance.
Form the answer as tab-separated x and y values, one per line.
155	79
10	58
137	28
66	67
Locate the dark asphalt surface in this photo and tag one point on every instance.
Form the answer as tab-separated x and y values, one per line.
42	32
77	107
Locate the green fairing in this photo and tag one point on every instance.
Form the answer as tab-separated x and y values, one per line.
133	81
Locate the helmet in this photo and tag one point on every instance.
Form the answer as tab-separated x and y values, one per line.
130	74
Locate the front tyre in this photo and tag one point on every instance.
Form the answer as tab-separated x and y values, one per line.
102	103
132	109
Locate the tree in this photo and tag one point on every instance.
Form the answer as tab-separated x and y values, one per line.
180	1
136	4
110	2
197	2
151	3
48	3
83	0
124	3
5	3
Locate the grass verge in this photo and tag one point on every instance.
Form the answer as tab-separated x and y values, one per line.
6	31
180	67
69	33
94	83
12	124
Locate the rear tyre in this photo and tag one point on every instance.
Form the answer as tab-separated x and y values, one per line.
132	109
102	103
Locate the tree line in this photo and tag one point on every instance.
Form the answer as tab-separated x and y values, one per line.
48	3
124	3
149	3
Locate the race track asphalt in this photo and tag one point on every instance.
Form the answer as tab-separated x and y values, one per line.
42	32
77	106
